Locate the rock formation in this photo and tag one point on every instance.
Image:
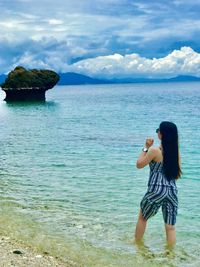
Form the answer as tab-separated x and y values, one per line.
28	85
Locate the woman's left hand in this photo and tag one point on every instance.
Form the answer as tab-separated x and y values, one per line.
149	142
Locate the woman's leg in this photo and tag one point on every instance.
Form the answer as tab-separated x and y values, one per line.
140	227
169	209
170	234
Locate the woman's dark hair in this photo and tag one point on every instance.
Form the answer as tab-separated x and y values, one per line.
170	145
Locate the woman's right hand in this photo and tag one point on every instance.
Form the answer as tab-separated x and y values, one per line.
149	142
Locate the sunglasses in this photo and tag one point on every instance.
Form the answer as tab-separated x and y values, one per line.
157	130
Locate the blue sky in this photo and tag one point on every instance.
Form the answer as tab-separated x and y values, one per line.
104	38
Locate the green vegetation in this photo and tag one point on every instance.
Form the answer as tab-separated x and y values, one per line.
22	78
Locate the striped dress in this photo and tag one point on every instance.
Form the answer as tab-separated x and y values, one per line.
157	176
161	193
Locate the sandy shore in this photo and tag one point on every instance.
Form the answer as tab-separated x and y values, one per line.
13	253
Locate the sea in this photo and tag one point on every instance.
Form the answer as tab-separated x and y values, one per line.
69	185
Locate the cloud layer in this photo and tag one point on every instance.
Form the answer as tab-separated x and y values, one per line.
129	35
180	62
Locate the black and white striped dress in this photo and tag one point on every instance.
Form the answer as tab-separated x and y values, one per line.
161	193
157	176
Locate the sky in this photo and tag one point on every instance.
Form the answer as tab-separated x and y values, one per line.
102	38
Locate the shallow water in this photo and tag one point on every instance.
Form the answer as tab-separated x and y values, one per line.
68	181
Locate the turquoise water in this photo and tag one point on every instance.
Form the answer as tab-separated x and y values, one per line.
68	180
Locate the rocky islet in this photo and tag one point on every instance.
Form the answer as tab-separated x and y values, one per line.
28	85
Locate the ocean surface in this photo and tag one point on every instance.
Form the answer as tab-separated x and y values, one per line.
68	180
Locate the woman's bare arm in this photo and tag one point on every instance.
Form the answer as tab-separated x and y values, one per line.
146	157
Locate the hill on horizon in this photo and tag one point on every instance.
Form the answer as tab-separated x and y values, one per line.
72	78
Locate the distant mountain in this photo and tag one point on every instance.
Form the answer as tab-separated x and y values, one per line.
71	78
185	79
147	80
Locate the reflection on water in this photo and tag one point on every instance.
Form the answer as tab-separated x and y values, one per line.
31	104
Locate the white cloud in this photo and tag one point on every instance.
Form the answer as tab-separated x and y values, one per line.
180	62
28	60
55	22
12	25
47	53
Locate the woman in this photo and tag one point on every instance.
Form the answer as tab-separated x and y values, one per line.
164	163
